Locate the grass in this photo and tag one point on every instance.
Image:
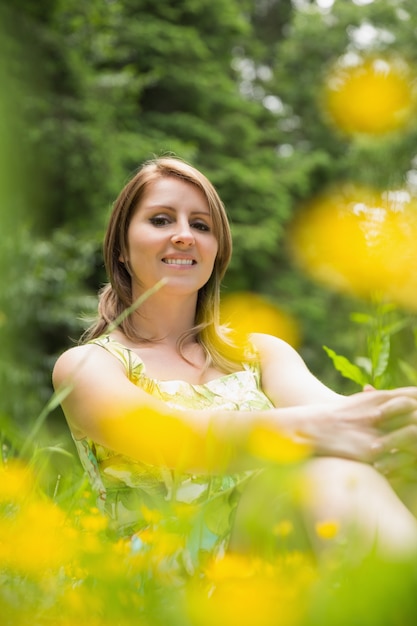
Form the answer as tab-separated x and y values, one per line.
59	566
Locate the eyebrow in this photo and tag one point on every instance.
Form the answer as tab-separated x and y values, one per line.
166	207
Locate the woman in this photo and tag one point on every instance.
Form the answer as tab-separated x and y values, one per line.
164	408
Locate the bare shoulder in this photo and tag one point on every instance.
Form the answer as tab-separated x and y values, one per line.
90	380
83	358
68	363
271	348
286	378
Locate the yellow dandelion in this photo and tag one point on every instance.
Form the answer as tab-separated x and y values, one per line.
245	590
240	591
164	439
361	241
231	565
77	601
276	447
374	96
247	313
91	544
16	482
327	529
155	437
93	522
37	538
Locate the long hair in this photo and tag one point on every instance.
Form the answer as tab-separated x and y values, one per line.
116	295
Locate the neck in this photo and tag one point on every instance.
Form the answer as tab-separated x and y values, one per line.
165	318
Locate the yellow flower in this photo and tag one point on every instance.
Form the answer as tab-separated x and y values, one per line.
358	240
327	529
232	565
155	437
93	522
163	543
276	447
247	313
16	482
36	538
374	96
245	591
161	438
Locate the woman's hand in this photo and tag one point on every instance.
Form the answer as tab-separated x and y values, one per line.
364	426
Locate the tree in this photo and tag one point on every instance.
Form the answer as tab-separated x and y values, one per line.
234	87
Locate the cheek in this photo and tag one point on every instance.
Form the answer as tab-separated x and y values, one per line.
213	247
138	241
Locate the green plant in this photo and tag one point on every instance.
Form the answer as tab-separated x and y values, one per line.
377	367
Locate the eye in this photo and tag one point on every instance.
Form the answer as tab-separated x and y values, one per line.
159	220
201	226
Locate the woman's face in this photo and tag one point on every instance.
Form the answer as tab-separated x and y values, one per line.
171	236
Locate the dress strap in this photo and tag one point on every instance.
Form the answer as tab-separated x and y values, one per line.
132	362
254	365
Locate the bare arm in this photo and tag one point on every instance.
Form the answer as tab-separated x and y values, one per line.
286	380
105	406
360	426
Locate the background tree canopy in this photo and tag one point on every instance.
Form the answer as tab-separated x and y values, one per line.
233	86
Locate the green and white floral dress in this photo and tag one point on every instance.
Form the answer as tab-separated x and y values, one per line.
136	495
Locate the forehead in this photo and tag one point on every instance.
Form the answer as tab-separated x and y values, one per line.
174	192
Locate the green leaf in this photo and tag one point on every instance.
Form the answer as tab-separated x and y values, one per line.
381	352
365	364
361	318
346	368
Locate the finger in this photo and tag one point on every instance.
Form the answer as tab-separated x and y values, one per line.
392	398
398	412
369	388
409	392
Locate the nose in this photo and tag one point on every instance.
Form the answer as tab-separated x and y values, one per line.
183	235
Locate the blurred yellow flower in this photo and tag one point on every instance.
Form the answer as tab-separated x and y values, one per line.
247	313
94	521
232	565
245	590
359	240
77	601
374	96
163	543
276	447
16	482
327	529
164	439
36	538
157	438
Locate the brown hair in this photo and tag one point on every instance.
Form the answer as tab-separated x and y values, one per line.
116	296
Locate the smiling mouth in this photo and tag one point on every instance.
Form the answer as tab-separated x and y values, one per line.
179	261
